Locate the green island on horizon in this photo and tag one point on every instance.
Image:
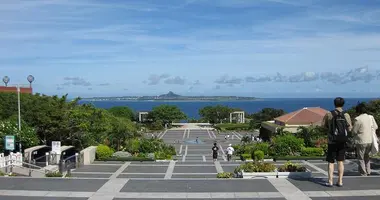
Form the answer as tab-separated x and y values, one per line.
171	96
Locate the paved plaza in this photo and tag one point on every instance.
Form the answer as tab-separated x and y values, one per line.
192	176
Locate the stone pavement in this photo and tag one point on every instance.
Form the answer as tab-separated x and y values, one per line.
193	176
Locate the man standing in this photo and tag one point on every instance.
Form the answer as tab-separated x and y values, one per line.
230	151
215	150
364	131
338	124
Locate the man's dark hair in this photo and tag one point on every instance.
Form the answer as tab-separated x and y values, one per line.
214	144
361	108
339	102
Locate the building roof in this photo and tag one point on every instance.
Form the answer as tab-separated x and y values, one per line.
26	90
303	116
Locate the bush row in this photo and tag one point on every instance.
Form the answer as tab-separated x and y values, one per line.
140	149
280	147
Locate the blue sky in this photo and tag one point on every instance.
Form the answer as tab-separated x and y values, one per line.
266	48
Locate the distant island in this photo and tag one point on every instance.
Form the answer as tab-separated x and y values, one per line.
171	96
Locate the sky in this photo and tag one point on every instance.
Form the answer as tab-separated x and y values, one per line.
260	48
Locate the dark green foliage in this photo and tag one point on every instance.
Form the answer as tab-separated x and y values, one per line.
265	114
216	114
123	112
286	145
166	114
258	155
56	119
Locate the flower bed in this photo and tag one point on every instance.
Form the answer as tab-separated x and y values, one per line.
251	170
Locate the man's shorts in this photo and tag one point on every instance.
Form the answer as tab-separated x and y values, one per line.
336	152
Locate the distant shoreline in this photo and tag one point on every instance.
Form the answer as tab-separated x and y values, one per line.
213	100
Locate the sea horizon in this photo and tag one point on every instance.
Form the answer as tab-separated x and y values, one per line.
191	108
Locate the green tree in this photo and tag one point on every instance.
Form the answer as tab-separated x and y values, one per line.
167	114
27	135
266	114
122	129
216	114
122	111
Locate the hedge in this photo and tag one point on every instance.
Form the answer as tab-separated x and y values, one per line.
126	159
287	158
232	127
103	152
311	151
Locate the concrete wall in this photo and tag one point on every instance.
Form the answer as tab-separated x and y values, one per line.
87	155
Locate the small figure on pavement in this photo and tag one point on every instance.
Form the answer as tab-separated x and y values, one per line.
215	150
230	151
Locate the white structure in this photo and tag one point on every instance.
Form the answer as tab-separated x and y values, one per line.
142	116
239	116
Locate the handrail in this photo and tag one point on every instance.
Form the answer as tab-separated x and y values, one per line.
35	159
37	170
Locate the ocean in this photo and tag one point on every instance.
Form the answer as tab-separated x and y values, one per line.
190	108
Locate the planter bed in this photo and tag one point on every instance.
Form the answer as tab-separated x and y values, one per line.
164	160
304	175
252	175
288	158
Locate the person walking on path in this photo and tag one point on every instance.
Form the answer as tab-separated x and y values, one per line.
215	150
338	123
230	151
365	138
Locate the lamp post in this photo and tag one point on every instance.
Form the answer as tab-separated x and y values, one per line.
19	117
30	78
6	80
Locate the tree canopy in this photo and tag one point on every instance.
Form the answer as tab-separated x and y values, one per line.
122	111
265	114
54	118
216	114
166	114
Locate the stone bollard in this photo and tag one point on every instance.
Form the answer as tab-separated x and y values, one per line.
76	160
47	158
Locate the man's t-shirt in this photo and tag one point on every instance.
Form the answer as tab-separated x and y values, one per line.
230	150
215	150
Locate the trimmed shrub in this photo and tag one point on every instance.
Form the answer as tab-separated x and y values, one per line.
285	145
255	167
53	174
225	175
312	151
258	155
103	152
262	146
232	127
134	158
290	167
162	156
246	156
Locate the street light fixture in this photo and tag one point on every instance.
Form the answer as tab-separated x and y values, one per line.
31	80
6	80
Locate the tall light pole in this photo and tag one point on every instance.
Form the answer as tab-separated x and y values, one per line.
6	80
30	79
19	117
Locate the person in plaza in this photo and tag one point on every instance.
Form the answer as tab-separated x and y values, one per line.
338	123
364	131
215	150
196	140
230	150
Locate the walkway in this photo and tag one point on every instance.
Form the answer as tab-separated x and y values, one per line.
193	176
